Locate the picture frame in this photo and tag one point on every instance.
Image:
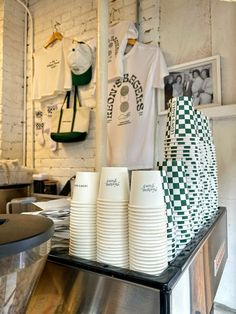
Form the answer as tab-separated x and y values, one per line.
200	79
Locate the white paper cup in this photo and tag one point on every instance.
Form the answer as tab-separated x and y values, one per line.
157	246
144	221
150	251
109	202
146	189
114	262
115	233
113	247
147	214
119	221
146	208
83	225
79	245
87	230
149	269
123	261
75	204
158	261
89	256
86	187
110	211
76	236
114	184
158	257
82	216
89	247
83	250
153	235
110	234
111	259
112	215
80	234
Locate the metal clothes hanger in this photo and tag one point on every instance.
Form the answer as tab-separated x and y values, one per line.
56	35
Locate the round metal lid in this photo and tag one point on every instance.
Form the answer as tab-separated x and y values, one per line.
22	232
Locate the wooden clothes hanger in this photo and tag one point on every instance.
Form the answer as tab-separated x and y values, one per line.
131	41
54	37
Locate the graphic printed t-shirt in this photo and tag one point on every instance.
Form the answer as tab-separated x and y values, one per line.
131	108
52	74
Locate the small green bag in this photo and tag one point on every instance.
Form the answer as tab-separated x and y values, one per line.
70	124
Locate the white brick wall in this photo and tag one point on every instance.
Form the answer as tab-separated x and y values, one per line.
77	18
11	82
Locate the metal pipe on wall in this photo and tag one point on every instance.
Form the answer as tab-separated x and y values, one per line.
25	87
101	83
24	136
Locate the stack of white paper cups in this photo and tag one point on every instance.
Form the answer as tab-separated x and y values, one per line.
112	217
83	215
147	223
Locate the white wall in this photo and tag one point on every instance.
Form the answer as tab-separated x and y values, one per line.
11	79
191	30
225	140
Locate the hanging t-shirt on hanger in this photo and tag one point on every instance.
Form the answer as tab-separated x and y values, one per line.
131	108
117	40
52	73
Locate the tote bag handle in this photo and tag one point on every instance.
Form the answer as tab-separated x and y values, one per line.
67	102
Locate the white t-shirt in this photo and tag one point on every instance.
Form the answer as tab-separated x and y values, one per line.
131	108
52	75
117	41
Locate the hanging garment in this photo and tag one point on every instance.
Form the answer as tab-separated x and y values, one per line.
52	73
118	36
117	41
131	108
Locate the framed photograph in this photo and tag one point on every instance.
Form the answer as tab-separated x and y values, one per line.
200	79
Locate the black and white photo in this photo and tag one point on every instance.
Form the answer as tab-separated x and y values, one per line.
199	80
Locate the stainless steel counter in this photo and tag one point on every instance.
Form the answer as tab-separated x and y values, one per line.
188	285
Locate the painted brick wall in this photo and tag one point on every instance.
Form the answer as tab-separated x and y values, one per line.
11	79
1	69
77	18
